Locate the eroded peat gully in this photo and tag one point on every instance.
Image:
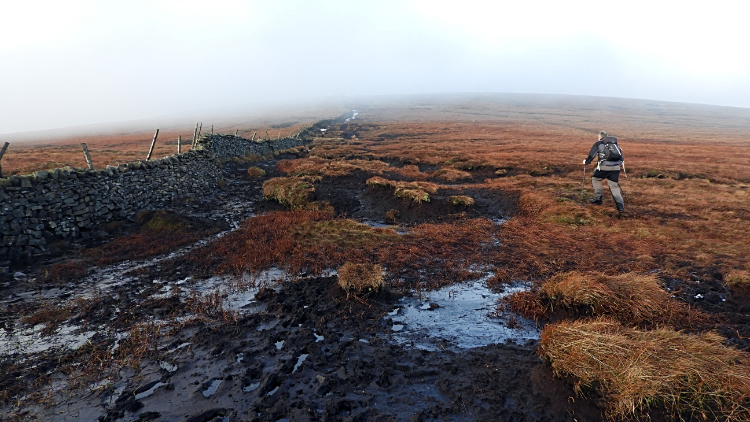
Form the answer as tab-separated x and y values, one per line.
478	287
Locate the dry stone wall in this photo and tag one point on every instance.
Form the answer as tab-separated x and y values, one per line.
73	203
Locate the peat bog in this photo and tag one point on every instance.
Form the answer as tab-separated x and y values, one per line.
491	277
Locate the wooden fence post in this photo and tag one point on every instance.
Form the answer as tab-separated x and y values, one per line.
179	144
268	136
236	131
2	152
151	150
254	133
212	129
195	136
88	156
200	129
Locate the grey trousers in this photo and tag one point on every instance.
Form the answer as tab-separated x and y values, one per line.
614	187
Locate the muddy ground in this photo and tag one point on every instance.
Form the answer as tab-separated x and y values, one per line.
291	350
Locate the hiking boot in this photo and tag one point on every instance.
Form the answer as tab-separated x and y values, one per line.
620	210
595	201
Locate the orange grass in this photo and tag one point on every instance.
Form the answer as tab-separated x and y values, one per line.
451	175
315	168
415	191
637	370
313	241
631	298
360	278
290	192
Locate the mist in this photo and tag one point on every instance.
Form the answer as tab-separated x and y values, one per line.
87	63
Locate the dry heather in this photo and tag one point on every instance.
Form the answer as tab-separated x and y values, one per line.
290	192
360	278
639	370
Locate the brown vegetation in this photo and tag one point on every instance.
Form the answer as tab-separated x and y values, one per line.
464	200
631	299
451	175
636	371
291	192
313	241
415	191
360	278
255	172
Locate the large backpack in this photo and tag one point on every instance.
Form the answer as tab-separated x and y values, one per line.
609	150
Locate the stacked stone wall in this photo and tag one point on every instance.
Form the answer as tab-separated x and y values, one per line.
73	203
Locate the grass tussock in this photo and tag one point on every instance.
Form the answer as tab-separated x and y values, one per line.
464	200
255	172
451	175
638	370
737	278
415	191
631	298
360	278
290	192
381	182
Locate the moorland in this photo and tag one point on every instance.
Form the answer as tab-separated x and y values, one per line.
287	294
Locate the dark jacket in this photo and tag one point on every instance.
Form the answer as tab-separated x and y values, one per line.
597	151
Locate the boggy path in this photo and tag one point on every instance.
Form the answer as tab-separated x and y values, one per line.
311	354
303	351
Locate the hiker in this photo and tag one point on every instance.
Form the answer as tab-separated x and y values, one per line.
609	157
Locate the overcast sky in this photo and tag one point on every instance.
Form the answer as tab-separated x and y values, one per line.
67	63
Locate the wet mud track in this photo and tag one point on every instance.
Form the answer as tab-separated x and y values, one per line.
313	354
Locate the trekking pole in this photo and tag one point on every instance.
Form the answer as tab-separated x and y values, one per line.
583	183
618	184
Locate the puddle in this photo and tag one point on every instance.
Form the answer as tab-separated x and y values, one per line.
212	387
272	392
279	344
300	359
150	391
251	387
31	340
168	366
458	314
179	347
377	225
317	337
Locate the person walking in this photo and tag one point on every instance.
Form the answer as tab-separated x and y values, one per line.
609	158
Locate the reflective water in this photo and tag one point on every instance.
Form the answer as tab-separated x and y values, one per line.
458	314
